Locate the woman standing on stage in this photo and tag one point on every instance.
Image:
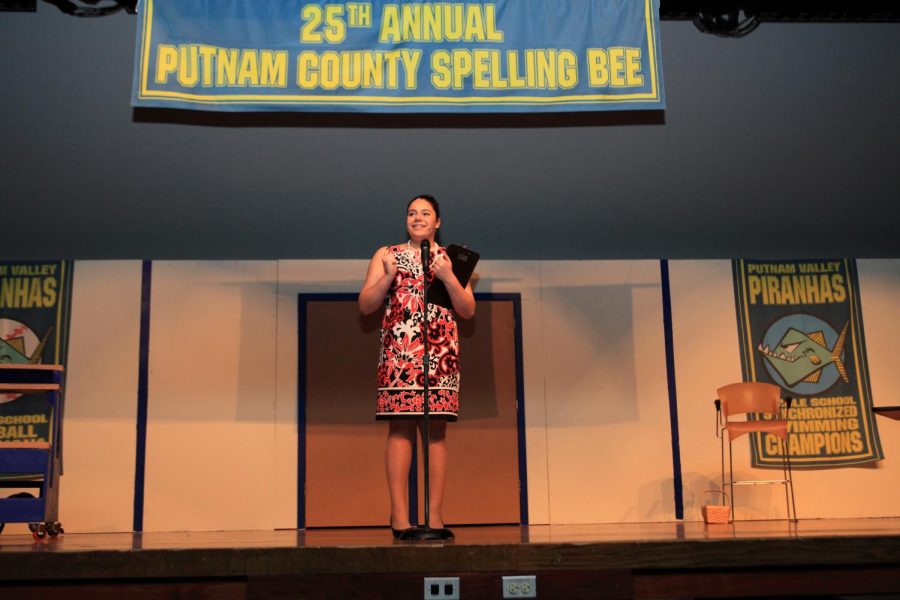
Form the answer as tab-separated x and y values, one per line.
395	278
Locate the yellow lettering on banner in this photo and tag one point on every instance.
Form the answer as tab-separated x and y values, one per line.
36	297
22	293
474	25
494	70
27	292
821	267
166	62
188	66
19	433
307	69
439	22
390	24
411	59
226	67
212	66
598	67
825	290
823	425
207	60
248	74
373	70
357	69
332	15
835	443
312	14
462	67
441	74
330	70
797	289
23	419
410	21
772	269
837	285
617	67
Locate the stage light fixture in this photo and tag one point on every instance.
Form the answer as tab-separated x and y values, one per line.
94	8
18	5
731	22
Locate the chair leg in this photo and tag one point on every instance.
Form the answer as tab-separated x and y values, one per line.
790	505
731	477
722	450
790	479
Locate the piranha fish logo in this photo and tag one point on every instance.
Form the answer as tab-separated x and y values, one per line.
19	345
800	356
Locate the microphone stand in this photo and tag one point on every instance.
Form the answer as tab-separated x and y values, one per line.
425	532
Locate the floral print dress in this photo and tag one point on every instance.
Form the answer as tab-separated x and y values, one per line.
400	366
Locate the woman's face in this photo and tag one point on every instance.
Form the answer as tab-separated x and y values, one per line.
421	222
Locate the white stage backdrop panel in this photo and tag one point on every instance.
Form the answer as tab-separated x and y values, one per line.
608	446
97	488
211	412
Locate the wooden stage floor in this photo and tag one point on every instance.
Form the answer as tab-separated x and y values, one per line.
823	558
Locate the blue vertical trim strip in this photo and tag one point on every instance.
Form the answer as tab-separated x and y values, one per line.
516	300
301	411
670	378
520	413
143	375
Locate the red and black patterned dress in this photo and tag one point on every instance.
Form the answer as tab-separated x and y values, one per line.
400	366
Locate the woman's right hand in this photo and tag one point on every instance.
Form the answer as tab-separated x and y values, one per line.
389	262
380	276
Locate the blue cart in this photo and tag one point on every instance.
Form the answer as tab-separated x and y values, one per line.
33	465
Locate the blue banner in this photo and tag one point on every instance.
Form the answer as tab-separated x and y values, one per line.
35	304
800	327
406	56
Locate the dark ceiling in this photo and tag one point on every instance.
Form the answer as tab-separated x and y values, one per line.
796	11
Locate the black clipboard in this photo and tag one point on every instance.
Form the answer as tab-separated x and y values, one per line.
463	260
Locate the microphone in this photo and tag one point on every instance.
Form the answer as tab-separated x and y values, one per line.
426	254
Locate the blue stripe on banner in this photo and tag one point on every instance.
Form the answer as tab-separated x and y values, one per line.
143	374
673	395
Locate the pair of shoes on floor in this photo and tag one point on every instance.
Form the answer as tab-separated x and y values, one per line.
398	532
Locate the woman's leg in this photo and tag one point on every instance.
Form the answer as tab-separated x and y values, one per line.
397	459
437	471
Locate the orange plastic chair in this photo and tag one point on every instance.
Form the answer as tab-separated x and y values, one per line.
754	397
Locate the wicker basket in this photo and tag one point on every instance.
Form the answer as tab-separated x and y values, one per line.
716	513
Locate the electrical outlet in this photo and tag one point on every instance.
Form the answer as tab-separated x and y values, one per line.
442	588
519	586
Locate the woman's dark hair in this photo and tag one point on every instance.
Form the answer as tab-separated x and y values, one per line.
431	200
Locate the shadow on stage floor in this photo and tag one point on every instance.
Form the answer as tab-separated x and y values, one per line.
834	558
